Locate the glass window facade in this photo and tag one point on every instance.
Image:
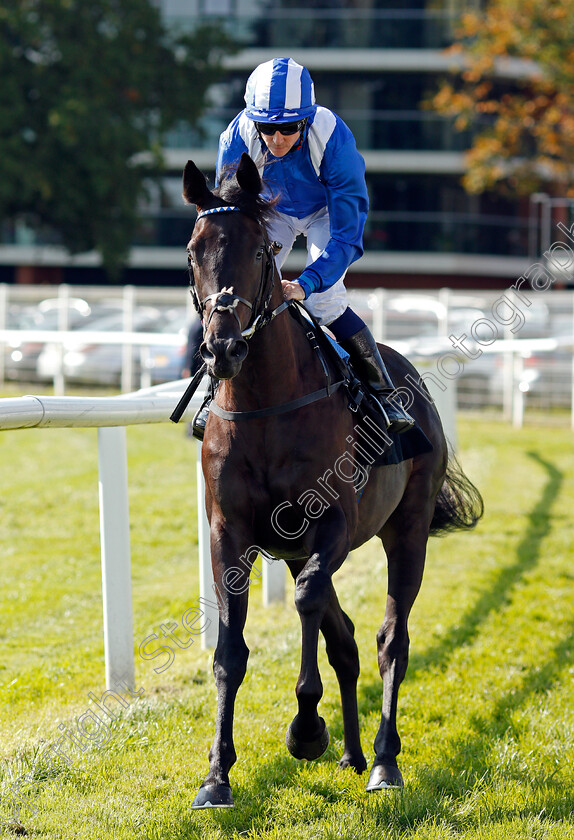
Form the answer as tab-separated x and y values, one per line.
418	207
383	110
425	210
326	24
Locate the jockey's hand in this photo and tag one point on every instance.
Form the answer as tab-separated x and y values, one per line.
292	290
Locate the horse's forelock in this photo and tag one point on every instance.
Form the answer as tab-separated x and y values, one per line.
257	207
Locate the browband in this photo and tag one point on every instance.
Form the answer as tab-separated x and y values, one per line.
227	208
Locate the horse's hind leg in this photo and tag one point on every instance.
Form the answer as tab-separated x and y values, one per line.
405	545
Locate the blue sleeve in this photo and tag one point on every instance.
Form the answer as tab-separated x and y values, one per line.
231	147
343	174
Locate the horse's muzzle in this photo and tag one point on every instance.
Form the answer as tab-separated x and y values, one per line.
223	356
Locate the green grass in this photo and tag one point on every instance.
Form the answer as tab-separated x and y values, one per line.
485	713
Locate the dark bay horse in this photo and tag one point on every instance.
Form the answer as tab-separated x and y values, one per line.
282	477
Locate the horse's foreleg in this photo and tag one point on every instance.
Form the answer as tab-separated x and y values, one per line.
339	633
406	557
229	667
307	736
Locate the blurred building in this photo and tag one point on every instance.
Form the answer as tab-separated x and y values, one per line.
373	62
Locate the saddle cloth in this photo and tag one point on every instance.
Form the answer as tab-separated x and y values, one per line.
373	447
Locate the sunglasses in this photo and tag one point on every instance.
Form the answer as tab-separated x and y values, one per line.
285	129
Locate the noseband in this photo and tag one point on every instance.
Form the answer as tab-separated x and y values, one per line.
227	301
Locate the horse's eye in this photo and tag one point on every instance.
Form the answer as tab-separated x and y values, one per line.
259	254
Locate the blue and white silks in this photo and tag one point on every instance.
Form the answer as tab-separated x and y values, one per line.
325	169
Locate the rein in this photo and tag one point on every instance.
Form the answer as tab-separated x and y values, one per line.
227	301
307	399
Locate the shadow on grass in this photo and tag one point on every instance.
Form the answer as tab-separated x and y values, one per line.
470	761
490	756
257	801
490	753
492	599
497	596
467	790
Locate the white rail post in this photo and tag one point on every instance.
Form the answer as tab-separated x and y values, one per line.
129	298
444	297
63	324
379	315
3	326
273	581
115	552
206	590
518	395
446	405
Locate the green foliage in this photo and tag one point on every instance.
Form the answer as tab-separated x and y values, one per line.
485	712
88	91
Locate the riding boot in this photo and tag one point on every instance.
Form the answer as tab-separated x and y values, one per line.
367	361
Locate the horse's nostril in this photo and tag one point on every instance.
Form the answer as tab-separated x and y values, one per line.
224	355
238	351
205	352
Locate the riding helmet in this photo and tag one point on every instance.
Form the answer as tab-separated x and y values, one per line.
279	91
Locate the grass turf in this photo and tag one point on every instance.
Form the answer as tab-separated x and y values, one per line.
485	712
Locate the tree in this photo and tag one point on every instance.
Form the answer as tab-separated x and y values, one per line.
88	91
528	106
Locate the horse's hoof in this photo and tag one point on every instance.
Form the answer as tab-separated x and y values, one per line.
307	749
213	796
384	776
356	763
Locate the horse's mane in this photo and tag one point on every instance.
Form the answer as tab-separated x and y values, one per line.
258	207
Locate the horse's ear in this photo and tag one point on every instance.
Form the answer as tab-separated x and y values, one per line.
195	189
248	176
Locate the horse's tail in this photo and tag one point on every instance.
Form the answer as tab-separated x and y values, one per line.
459	505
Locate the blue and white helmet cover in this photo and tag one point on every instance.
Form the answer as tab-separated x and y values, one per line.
279	91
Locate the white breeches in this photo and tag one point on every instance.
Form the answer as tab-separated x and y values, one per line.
326	306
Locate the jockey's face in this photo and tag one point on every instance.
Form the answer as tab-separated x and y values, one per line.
279	144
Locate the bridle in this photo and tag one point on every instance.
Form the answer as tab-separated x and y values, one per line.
227	300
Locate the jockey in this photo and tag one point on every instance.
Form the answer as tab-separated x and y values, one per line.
308	157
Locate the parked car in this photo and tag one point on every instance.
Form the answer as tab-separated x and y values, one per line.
100	364
21	355
165	362
419	326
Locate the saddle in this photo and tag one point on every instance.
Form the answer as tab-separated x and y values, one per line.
373	446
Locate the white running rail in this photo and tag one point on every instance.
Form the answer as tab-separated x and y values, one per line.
111	415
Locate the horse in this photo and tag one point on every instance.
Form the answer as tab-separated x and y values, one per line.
283	478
